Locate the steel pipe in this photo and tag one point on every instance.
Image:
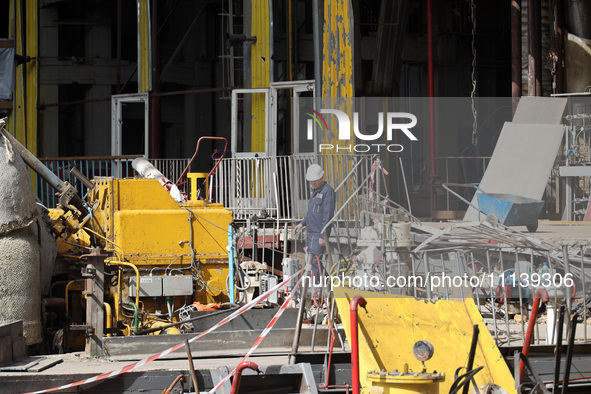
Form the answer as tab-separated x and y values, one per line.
569	351
180	378
195	155
137	276
35	164
530	326
558	349
191	367
238	374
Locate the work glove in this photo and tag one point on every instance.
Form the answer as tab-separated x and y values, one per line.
321	241
297	228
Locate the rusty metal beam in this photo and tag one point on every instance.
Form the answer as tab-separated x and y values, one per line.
515	48
559	88
534	48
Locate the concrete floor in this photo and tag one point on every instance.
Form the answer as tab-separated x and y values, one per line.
78	363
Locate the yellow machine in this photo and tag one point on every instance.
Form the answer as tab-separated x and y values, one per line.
177	252
409	345
156	252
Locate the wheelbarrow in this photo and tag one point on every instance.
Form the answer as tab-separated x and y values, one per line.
510	210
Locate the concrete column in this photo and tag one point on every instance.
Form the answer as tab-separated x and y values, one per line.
97	115
48	138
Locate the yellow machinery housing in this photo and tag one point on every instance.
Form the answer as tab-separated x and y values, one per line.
177	252
390	326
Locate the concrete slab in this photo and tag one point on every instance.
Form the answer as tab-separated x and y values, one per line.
5	350
215	344
12	329
44	364
540	110
521	162
78	363
19	348
21	365
150	378
254	319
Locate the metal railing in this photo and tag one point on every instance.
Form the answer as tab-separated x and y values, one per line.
502	270
100	166
460	171
277	185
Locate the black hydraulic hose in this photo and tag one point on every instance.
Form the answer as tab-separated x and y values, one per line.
569	351
558	350
472	354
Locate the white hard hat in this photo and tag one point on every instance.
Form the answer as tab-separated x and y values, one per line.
314	173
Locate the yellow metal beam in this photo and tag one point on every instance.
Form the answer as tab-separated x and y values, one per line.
337	64
144	47
338	49
22	120
260	58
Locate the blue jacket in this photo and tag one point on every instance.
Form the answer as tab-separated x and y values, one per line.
320	212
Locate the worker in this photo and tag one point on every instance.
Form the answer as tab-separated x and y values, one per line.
320	212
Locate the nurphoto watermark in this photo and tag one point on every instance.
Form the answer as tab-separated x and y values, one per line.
380	282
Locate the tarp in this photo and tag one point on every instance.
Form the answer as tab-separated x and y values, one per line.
7	72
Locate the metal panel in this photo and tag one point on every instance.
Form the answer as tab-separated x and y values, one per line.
540	110
254	319
177	285
268	282
575	171
150	286
521	163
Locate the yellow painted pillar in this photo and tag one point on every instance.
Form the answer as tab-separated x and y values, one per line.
260	58
144	47
337	63
22	120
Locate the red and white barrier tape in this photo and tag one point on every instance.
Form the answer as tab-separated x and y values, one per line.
131	367
261	337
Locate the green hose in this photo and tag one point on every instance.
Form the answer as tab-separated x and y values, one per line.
135	315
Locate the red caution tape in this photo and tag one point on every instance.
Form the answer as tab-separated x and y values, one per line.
131	367
261	337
